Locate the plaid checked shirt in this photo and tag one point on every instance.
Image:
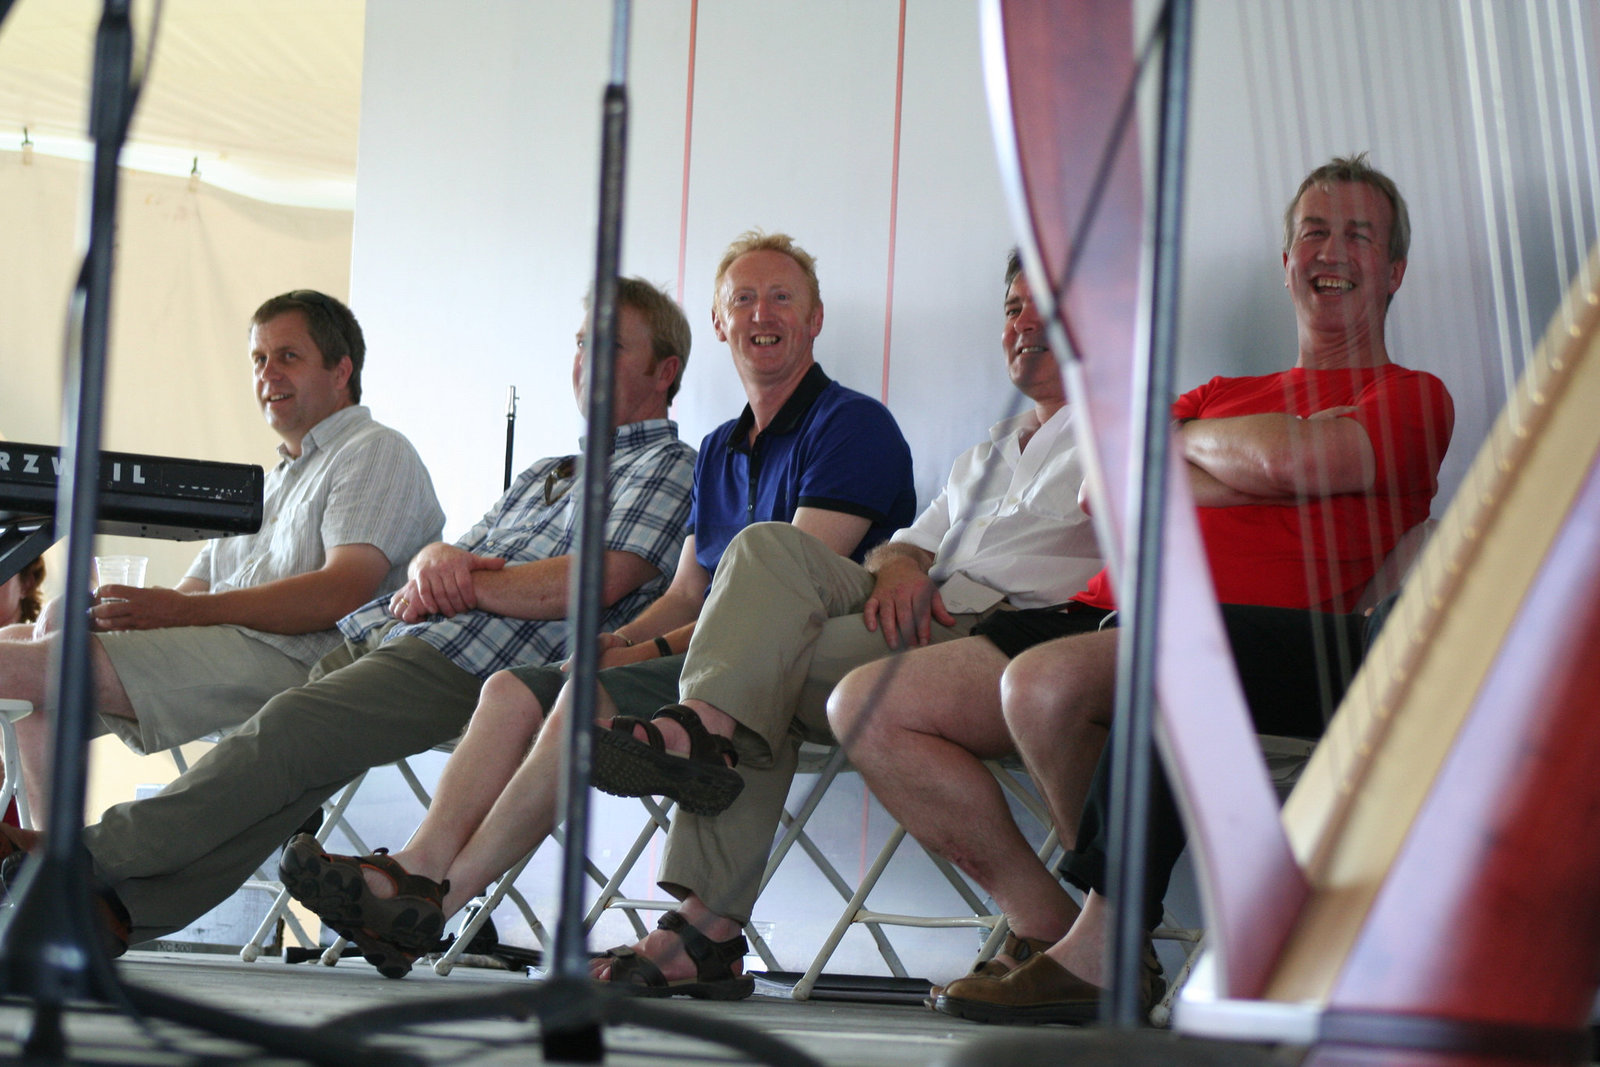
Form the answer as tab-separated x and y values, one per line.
651	475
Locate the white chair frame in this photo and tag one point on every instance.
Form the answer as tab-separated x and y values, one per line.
10	712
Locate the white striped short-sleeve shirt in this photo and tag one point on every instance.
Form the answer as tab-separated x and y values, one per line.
355	481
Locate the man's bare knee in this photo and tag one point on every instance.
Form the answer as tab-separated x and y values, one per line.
1058	686
856	708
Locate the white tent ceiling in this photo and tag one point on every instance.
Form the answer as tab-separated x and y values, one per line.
264	93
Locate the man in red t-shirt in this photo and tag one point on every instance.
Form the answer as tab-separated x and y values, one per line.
1305	480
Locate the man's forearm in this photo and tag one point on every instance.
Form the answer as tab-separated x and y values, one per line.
539	589
673	610
1280	456
535	590
1208	492
301	604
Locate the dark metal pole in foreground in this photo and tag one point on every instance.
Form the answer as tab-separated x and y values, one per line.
48	948
1132	728
578	1038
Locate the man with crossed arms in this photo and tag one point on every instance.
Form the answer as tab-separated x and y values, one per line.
1332	459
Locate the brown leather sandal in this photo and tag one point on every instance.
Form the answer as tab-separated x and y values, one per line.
713	961
703	783
390	931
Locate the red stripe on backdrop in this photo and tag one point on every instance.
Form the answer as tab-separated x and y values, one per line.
688	141
894	199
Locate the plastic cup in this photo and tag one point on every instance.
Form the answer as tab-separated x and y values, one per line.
120	570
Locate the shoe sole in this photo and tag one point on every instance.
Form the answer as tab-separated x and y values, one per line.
627	767
738	988
391	961
1071	1013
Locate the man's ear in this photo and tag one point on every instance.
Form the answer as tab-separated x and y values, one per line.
815	321
716	325
1397	273
343	370
666	371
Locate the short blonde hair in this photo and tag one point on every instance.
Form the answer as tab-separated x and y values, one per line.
757	241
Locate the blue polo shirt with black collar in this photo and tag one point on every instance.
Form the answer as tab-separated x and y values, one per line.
829	447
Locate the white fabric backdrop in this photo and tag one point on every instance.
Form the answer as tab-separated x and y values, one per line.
191	267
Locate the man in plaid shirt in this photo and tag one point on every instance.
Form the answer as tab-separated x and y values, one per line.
806	454
408	675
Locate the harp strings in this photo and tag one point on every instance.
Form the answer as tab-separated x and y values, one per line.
1539	55
1523	151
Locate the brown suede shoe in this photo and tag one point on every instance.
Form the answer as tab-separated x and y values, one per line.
1021	949
1039	991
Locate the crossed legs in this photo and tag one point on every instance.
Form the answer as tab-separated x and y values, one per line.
918	728
1057	701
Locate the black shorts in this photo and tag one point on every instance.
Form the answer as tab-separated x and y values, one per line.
1014	632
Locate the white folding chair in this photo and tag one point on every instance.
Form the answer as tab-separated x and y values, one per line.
10	712
979	914
265	879
826	763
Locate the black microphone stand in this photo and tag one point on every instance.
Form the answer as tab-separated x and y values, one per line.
50	952
511	434
1133	723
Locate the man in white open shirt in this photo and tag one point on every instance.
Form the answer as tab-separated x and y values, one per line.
787	617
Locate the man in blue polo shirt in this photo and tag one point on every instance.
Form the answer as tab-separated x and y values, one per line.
806	450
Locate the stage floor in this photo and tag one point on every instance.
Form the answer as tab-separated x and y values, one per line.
833	1033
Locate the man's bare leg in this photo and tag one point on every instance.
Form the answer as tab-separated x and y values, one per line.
1083	950
24	675
498	797
1057	700
1058	706
497	738
492	805
918	727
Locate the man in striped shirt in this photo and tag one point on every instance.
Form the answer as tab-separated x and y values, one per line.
347	505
